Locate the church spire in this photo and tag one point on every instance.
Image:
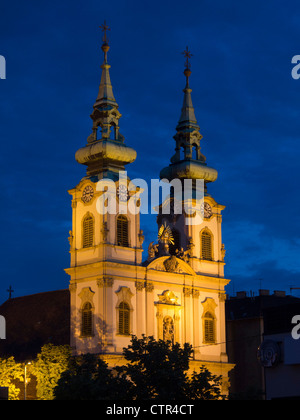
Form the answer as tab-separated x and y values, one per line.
188	161
105	153
187	119
105	94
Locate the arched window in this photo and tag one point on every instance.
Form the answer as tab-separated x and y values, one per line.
209	328
182	152
122	231
206	245
124	318
195	152
87	320
88	231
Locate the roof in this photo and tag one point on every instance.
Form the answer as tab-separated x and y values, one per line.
280	321
35	320
256	306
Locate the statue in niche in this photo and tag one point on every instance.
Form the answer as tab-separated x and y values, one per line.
168	329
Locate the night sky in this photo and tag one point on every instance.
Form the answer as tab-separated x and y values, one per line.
246	103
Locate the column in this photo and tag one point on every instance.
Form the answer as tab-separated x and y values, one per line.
197	323
150	327
140	309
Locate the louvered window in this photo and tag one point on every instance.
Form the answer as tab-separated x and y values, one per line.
122	231
87	320
206	246
124	318
88	232
209	328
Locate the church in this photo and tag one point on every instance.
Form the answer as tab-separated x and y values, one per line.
177	291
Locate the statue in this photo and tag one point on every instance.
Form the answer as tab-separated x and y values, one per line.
70	239
168	329
104	231
141	237
223	252
165	237
183	255
152	250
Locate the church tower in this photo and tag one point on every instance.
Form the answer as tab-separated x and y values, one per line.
104	233
196	233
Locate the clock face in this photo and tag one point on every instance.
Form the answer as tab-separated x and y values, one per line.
122	192
88	194
206	210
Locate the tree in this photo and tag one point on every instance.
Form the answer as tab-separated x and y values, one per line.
89	378
155	370
204	386
9	372
159	370
51	362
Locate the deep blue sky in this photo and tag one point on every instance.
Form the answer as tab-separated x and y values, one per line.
246	103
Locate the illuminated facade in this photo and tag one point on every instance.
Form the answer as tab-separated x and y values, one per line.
176	292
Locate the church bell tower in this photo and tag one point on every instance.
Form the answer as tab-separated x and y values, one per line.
199	242
104	233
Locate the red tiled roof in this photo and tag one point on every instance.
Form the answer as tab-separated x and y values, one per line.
35	320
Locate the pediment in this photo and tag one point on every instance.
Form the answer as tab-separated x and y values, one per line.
171	264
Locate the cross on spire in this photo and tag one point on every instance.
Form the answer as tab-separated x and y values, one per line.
187	54
104	28
10	291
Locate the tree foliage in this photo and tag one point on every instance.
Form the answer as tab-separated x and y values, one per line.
89	378
204	386
51	362
159	370
10	370
155	370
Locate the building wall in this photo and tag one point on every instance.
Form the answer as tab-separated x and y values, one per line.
243	340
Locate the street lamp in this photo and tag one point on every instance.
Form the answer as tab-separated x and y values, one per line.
25	378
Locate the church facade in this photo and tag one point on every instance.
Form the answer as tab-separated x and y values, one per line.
177	291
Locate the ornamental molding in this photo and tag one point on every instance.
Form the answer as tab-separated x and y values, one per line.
168	298
171	264
73	287
87	295
149	286
124	294
139	285
105	282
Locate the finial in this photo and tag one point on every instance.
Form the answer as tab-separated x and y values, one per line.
10	291
104	28
187	54
105	46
